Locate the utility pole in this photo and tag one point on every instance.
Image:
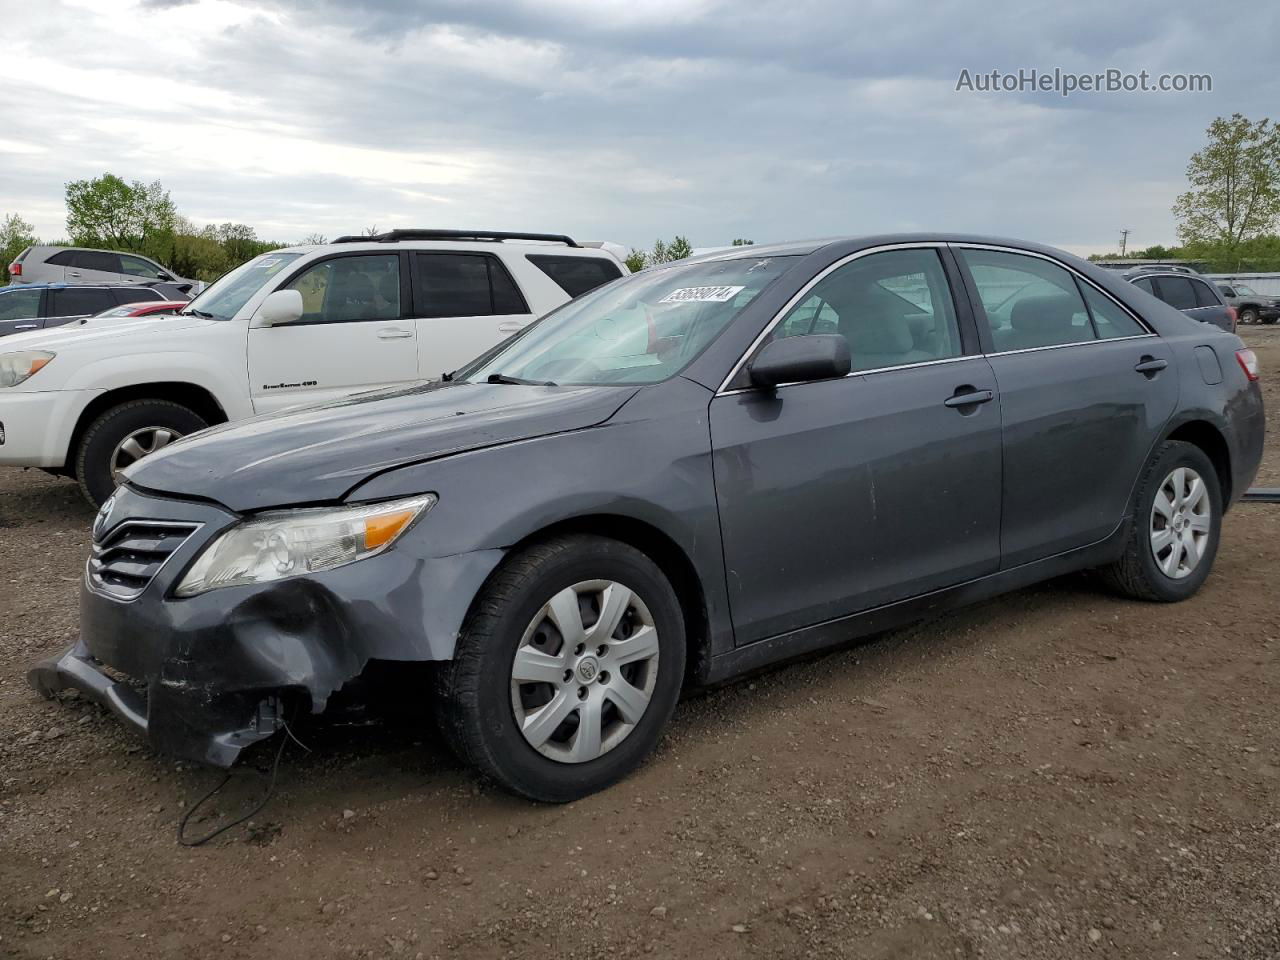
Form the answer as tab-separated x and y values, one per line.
1124	239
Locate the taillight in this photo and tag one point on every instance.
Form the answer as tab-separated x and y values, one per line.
1231	312
15	269
1248	363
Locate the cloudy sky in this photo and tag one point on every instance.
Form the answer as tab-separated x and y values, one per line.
623	119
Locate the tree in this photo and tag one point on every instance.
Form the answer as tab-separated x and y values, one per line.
679	248
636	260
742	242
314	239
659	252
1235	184
106	211
15	236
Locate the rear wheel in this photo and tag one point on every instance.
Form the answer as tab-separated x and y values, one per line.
1174	529
567	670
125	434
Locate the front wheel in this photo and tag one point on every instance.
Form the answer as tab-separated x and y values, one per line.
1174	529
125	434
567	670
1248	315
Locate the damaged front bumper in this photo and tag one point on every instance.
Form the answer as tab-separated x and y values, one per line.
204	677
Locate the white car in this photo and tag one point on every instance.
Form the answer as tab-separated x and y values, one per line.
296	326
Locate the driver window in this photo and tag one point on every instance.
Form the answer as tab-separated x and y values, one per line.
350	288
894	308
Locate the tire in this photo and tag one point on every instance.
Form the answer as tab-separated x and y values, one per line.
1248	315
478	697
97	447
1142	572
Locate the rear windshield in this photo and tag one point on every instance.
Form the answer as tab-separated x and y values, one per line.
230	292
642	329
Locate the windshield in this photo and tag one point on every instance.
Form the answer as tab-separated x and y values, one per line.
642	329
224	298
1246	291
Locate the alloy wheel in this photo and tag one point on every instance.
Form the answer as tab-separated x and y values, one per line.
1181	521
139	444
584	672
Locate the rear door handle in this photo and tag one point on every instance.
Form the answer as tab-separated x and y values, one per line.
393	333
511	326
969	397
1151	366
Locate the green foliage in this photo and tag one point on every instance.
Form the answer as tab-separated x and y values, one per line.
1255	255
107	212
742	242
1235	185
679	248
662	252
15	236
636	260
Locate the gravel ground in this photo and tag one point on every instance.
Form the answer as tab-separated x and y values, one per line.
1055	774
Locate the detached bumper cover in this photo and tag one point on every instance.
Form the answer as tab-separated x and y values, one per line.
204	677
213	737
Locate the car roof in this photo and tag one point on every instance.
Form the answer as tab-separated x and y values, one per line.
77	286
858	242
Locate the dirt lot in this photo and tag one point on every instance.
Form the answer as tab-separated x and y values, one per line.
1054	774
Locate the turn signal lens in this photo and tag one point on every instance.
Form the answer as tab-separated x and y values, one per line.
1248	361
381	529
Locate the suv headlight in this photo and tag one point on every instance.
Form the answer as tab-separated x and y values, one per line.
292	543
16	367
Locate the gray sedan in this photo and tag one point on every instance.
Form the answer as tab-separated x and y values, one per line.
681	476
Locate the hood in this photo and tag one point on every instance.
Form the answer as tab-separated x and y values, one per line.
87	331
317	454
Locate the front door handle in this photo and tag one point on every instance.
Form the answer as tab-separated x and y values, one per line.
73	273
968	397
511	326
393	333
1150	366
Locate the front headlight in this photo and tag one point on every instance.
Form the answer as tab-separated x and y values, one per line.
16	367
292	543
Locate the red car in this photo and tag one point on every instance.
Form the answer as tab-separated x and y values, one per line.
144	308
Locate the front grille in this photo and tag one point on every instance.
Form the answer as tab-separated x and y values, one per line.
129	557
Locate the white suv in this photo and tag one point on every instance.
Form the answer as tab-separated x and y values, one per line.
295	326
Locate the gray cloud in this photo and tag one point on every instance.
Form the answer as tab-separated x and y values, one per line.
629	121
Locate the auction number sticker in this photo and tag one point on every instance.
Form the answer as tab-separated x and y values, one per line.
702	295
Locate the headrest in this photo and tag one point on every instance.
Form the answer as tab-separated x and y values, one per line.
1043	314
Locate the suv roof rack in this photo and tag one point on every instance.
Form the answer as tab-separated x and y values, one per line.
392	236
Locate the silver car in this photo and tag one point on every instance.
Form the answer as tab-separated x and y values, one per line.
42	264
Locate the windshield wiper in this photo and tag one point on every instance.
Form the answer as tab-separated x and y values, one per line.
203	314
518	381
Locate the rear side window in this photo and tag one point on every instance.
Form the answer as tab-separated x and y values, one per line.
576	275
18	304
353	288
79	301
1108	319
463	285
1029	302
1176	292
1145	284
63	258
134	294
1204	296
96	260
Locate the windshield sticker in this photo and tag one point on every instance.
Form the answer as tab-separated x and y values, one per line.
702	295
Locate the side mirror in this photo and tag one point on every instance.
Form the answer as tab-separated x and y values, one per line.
283	306
819	356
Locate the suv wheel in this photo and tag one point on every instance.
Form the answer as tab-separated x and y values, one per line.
125	434
1248	315
567	670
1174	528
